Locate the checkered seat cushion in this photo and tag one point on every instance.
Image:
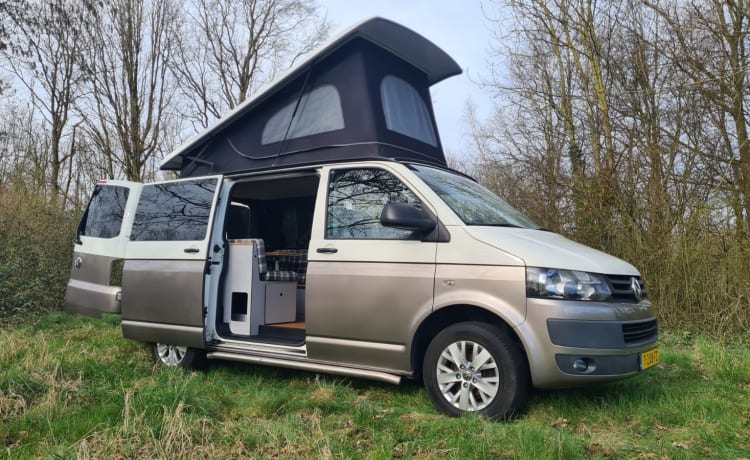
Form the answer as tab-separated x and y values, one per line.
273	275
280	276
296	262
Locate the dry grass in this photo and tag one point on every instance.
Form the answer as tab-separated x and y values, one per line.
74	388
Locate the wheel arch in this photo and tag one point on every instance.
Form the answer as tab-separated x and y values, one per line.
446	316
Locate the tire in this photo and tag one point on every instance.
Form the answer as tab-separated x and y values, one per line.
474	367
174	356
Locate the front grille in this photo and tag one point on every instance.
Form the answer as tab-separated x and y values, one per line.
639	332
622	288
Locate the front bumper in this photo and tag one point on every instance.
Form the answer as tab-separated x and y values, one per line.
573	343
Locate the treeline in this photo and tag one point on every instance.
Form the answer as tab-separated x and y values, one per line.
105	89
625	126
95	89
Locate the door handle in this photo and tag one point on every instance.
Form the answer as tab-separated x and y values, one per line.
327	250
192	250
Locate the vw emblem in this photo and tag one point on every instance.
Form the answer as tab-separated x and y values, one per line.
79	262
637	290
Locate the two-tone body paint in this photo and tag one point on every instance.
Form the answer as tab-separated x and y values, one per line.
89	291
365	300
163	284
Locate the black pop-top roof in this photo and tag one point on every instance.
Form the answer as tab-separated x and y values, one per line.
363	95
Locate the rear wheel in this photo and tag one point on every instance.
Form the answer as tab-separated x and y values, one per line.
174	355
473	367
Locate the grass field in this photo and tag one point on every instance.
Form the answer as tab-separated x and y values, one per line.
74	388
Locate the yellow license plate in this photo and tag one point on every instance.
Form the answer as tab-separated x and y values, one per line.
649	358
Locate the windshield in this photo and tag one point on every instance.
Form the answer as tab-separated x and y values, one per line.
474	204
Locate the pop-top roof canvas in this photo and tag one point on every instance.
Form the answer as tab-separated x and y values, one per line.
365	95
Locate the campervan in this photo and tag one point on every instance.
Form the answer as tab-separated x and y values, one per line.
318	227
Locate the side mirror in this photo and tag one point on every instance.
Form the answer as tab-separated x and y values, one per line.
406	217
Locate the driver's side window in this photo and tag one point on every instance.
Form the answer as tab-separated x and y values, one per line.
355	200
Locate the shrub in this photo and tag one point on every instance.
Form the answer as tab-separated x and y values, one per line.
35	250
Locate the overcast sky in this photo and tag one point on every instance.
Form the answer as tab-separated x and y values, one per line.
457	26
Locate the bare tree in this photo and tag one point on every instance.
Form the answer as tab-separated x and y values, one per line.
598	113
125	62
23	150
49	74
230	47
637	113
13	14
710	47
562	122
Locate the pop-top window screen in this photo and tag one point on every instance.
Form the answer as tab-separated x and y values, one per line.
405	111
319	112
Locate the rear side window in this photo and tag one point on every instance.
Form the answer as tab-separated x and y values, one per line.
174	211
103	217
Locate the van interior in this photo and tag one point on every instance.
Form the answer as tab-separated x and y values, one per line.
267	235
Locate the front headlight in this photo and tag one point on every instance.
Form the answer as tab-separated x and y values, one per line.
553	283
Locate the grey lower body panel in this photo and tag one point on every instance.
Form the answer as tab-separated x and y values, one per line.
163	291
89	291
599	365
91	299
364	314
602	334
172	334
560	371
375	354
609	338
311	366
599	335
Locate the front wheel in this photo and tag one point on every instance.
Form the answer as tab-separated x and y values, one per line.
475	367
174	355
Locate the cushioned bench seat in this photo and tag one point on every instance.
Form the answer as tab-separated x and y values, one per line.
291	262
275	273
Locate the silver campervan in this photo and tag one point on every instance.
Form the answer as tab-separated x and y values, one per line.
317	227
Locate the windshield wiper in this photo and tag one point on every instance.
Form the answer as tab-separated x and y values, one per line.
494	225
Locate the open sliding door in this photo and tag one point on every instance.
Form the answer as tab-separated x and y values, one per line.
167	256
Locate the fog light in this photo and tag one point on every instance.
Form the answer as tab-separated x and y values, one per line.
580	365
